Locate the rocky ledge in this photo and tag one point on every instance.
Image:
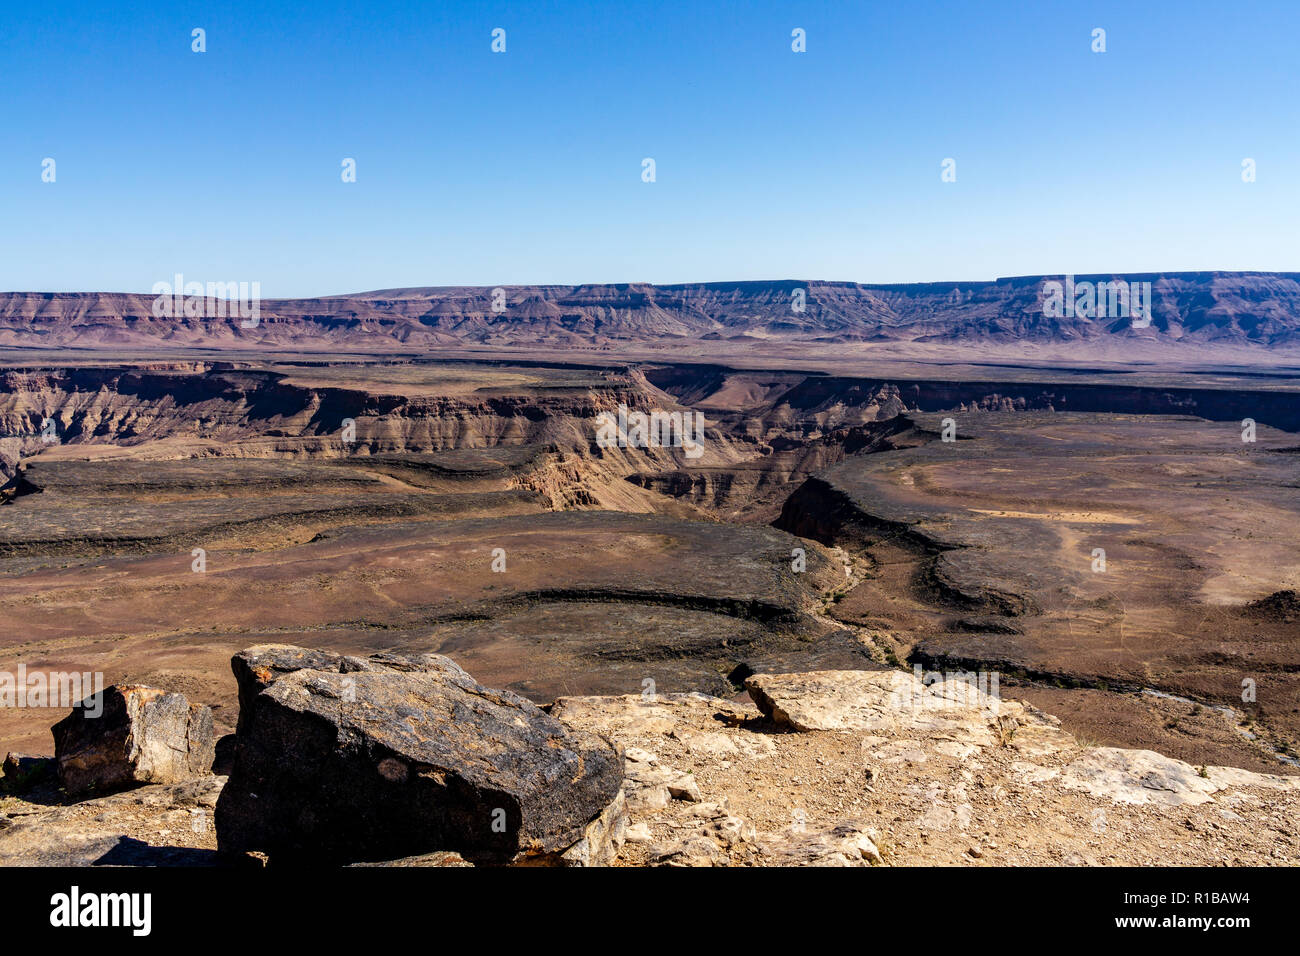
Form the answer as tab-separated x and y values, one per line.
407	761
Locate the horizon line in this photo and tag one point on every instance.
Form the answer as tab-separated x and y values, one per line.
712	282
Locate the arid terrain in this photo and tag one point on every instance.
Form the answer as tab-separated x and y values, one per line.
1212	309
1115	541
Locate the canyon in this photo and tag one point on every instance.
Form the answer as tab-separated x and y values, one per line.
862	501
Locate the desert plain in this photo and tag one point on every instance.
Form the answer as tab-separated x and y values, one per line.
1115	540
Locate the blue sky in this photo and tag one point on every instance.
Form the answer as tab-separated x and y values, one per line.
478	168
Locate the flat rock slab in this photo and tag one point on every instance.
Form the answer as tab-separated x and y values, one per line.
389	757
1144	776
143	735
868	700
153	825
825	700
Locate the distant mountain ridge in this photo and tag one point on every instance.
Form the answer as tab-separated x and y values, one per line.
1203	308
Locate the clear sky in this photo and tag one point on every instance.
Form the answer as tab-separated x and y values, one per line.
484	168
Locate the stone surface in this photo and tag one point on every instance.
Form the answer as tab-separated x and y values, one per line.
601	840
257	668
945	778
693	850
638	833
402	756
845	844
651	785
964	790
864	700
1143	776
153	825
144	735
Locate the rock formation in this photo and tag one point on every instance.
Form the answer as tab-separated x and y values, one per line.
343	759
143	735
888	769
403	761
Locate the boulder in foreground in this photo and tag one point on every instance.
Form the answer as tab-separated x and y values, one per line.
143	735
390	757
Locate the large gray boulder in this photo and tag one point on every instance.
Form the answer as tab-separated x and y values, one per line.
143	735
388	757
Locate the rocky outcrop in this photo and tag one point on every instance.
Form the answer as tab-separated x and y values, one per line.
351	759
898	771
681	821
143	735
961	779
